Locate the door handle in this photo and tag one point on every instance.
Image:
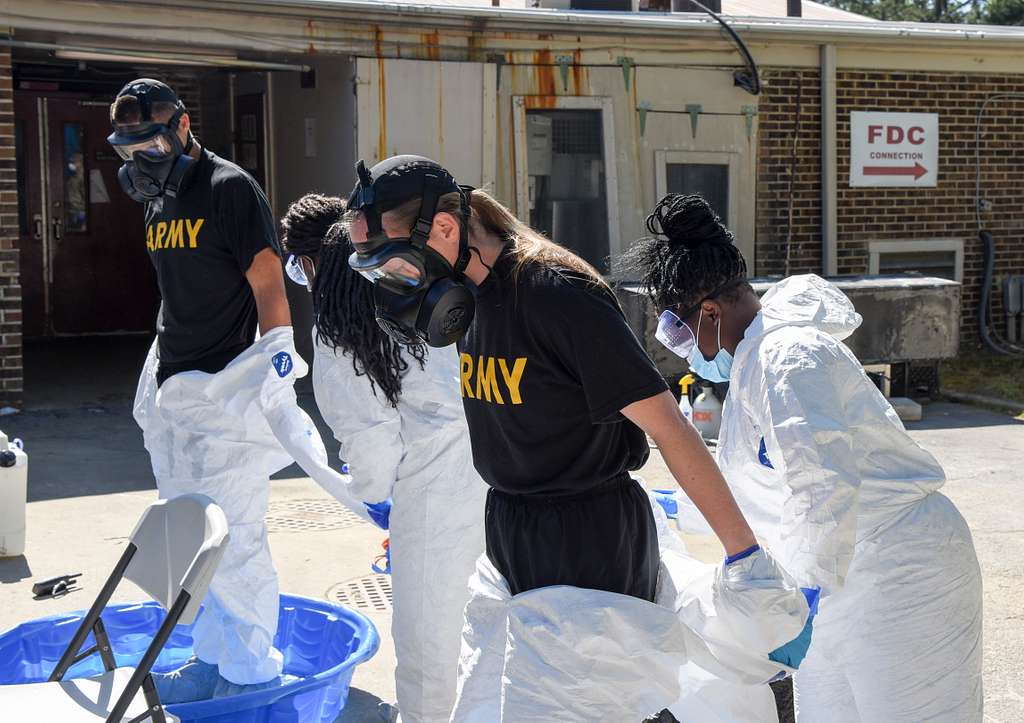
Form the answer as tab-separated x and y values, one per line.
37	227
58	229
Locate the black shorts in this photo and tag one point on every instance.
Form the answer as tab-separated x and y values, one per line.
603	539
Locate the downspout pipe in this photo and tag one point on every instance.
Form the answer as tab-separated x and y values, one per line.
829	163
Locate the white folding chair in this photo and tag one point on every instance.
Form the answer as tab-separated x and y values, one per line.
172	555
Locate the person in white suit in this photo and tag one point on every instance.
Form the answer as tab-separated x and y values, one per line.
828	477
397	413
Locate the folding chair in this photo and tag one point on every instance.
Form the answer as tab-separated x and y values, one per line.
172	555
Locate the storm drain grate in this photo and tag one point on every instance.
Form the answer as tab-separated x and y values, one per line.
300	515
372	592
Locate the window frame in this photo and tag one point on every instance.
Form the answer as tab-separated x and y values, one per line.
521	104
877	248
730	159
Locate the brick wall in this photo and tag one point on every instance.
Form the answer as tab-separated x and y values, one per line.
788	164
11	373
866	214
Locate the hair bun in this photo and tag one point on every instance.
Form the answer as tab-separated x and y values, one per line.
688	221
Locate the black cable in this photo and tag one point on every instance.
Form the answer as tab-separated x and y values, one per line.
749	80
990	339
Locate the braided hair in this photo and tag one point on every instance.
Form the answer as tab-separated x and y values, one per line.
689	254
343	310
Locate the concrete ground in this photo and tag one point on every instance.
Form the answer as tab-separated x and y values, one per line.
89	479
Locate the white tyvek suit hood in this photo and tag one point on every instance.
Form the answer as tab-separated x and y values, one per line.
806	300
841	461
828	477
419	455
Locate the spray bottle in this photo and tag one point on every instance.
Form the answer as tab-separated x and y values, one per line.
707	412
684	396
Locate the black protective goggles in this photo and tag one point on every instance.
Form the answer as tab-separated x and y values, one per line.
158	146
151	138
395	264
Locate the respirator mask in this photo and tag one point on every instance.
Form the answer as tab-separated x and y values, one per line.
418	295
156	163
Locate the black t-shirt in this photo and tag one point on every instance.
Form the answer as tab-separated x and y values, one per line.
546	366
201	244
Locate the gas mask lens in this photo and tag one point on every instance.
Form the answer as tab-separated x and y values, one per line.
675	334
156	147
400	272
396	272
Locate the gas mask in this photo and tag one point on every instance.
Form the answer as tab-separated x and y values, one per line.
156	161
418	295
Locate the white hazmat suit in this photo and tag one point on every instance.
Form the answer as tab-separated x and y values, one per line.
564	653
827	476
223	435
418	454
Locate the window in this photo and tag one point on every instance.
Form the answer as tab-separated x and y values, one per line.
568	189
712	174
943	258
76	209
710	180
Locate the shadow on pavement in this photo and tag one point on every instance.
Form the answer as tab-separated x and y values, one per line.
947	415
14	569
361	707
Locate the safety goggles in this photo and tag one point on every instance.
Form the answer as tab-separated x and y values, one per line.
301	270
675	333
158	146
396	265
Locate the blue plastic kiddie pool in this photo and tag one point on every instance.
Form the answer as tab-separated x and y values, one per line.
322	643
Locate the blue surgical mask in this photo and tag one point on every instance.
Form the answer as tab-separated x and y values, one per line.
717	370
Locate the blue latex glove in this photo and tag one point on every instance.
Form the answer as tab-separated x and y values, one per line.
793	652
380	512
741	555
668	502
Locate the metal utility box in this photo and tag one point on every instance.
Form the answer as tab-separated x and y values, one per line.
906	318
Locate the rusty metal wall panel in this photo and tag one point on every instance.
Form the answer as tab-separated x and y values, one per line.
437	109
669	136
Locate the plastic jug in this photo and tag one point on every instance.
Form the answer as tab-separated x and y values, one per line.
707	412
13	496
684	396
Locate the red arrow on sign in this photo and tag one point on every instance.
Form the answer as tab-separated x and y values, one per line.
916	170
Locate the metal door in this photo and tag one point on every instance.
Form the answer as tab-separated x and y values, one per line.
250	131
84	268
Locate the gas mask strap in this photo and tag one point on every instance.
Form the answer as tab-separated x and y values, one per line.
365	201
175	119
428	209
179	175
